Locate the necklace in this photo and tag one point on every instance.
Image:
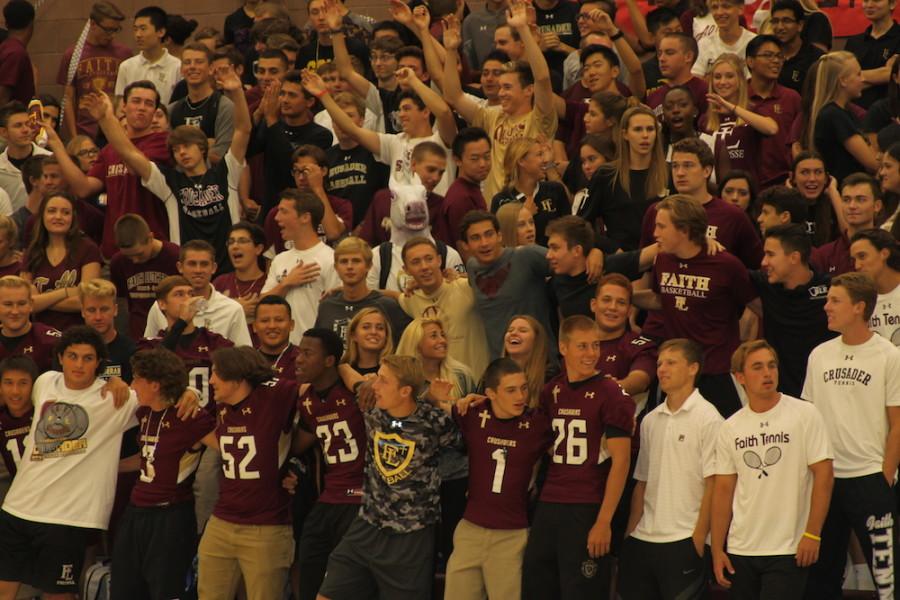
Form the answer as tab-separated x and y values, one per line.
278	360
148	451
237	285
200	104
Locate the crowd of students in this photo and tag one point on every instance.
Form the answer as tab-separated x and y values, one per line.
505	297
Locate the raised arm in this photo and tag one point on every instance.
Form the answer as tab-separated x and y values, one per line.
764	125
446	123
81	185
335	21
644	37
231	85
452	86
100	107
517	18
419	21
630	60
366	138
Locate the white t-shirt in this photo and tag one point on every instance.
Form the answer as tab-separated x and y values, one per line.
370	121
397	277
885	320
678	451
164	74
222	315
851	386
68	471
304	299
771	453
396	152
711	47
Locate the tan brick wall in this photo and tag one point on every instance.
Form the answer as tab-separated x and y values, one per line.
59	22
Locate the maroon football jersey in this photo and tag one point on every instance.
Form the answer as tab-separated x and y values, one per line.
67	273
284	364
137	283
338	423
702	299
38	345
502	455
579	414
168	458
255	440
229	285
195	349
630	352
13	431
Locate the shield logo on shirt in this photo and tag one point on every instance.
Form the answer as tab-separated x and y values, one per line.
392	453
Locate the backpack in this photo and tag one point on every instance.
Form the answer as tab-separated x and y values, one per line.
97	579
386	255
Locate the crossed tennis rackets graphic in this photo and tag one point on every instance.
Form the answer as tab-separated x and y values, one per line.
771	457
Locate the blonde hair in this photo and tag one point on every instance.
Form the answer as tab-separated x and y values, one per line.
345	99
13	282
408	370
811	6
658	175
508	217
352	353
830	69
736	62
354	245
515	151
450	370
739	358
536	365
97	288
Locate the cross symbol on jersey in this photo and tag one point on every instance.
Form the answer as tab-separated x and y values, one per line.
222	412
484	415
555	393
341	402
307	404
524	424
589	395
202	348
246	410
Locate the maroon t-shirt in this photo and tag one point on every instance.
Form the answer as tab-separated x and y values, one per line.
168	460
702	299
137	283
580	413
38	345
740	145
698	87
502	454
342	208
229	285
783	105
462	196
255	439
630	352
16	73
97	71
283	364
13	268
371	229
338	424
90	220
195	350
124	192
832	258
728	225
13	431
67	273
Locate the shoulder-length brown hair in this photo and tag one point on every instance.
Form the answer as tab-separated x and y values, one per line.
36	253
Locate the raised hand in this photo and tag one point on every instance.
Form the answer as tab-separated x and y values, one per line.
405	77
98	105
421	18
269	102
227	79
720	104
333	15
401	13
602	21
312	82
517	15
452	36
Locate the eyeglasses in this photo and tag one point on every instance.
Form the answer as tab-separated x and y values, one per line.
109	30
583	16
783	21
236	241
776	56
88	152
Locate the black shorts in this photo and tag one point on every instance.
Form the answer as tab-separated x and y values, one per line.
323	530
557	563
153	551
45	556
398	566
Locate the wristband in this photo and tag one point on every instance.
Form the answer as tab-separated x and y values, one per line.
815	538
320	94
616	36
336	31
